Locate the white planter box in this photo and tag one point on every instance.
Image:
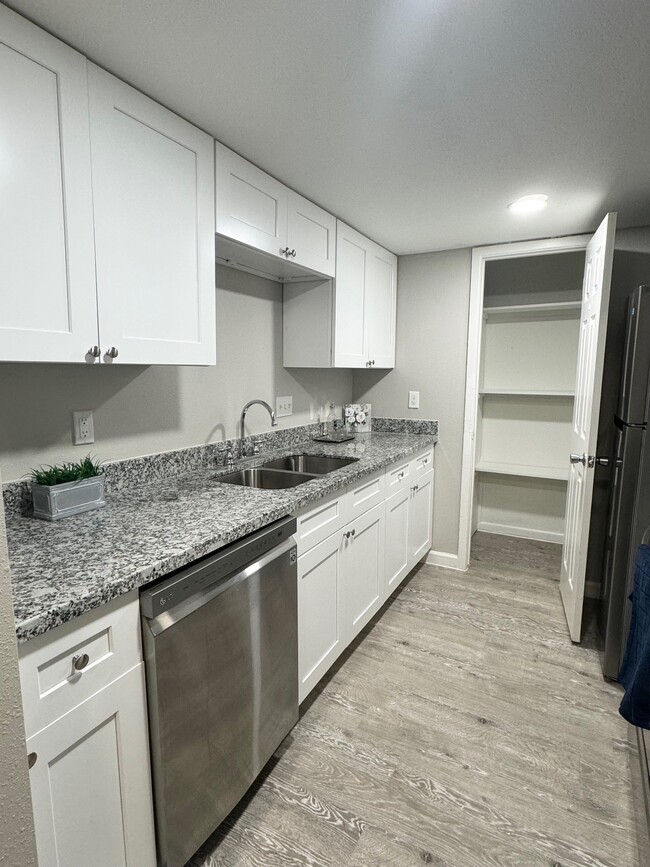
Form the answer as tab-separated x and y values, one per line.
60	501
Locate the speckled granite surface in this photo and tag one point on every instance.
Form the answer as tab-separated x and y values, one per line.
405	425
62	569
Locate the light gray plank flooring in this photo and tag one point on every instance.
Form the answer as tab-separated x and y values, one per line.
462	729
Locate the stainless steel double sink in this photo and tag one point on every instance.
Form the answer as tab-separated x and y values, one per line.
286	472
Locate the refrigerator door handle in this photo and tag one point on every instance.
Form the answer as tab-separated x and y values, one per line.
602	462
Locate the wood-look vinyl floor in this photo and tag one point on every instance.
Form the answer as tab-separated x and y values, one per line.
462	729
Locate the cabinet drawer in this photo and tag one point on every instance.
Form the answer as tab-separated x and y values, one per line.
422	464
398	476
318	522
365	495
110	635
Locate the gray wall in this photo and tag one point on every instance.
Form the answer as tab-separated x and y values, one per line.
17	848
534	279
140	410
432	311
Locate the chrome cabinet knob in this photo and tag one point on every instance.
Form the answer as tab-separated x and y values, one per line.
94	351
79	662
578	459
293	254
112	352
285	251
31	760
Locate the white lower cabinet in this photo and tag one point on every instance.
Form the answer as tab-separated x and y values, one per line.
320	611
87	740
90	782
344	579
420	518
363	570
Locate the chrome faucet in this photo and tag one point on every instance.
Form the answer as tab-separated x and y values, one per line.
242	421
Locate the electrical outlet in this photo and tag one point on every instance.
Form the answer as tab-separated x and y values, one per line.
414	400
83	427
283	406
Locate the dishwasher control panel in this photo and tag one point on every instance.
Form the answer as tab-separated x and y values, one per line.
210	570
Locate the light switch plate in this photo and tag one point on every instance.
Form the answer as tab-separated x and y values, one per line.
283	406
414	400
83	427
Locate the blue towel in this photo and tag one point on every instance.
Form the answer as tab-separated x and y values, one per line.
635	671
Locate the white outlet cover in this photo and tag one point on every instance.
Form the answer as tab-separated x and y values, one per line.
283	406
83	427
414	400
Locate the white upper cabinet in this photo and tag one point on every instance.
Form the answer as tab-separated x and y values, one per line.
256	210
153	187
365	302
47	266
352	322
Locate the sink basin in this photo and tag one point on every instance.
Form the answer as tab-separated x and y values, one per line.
260	477
316	464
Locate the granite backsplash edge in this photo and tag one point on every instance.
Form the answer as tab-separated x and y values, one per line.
125	473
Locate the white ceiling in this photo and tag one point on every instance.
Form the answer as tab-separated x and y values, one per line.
416	121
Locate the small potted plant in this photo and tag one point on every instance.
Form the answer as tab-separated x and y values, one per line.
67	489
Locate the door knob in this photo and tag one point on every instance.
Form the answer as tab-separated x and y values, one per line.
112	352
578	459
602	462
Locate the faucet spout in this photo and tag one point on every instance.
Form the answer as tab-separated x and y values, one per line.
242	421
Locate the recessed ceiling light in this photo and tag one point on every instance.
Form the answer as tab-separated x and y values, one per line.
529	204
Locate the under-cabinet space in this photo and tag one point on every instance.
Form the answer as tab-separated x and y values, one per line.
266	228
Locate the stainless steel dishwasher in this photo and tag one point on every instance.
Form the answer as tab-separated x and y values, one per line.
221	653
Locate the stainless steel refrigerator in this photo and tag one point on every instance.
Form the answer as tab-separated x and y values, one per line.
629	510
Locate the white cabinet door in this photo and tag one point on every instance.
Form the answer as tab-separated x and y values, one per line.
397	563
90	782
311	232
420	518
380	307
251	205
363	570
153	188
351	274
48	306
320	635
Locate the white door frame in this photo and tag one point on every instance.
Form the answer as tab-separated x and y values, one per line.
480	256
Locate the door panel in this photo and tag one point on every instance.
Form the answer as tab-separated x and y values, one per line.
591	350
311	231
153	189
251	205
363	576
420	518
320	639
91	788
351	274
48	309
380	307
397	540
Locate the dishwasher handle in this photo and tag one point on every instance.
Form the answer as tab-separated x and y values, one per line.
167	618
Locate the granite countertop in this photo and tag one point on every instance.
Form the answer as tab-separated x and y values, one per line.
62	569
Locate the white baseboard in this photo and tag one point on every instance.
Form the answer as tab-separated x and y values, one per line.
446	561
521	532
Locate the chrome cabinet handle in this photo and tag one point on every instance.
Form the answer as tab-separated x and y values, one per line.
415	488
400	475
349	533
31	760
352	532
94	351
79	662
112	352
578	459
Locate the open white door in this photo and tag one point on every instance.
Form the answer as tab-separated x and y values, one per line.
589	376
